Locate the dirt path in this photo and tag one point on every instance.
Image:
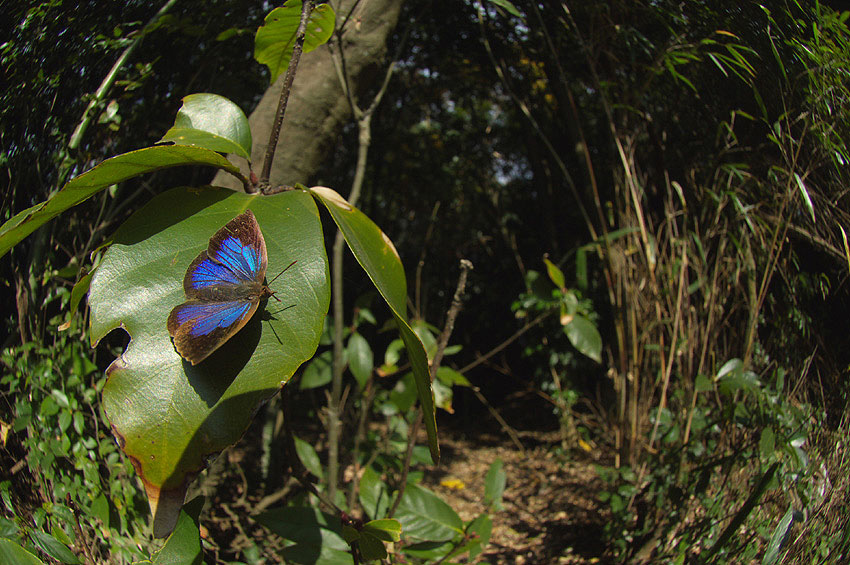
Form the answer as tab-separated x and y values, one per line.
551	512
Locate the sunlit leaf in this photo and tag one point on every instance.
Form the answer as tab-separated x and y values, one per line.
212	122
508	7
275	39
14	554
425	516
806	198
171	417
555	274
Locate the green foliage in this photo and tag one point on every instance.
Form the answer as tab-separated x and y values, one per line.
184	543
575	319
743	459
276	38
212	122
379	258
73	466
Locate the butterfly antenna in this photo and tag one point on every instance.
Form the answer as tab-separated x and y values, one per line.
283	271
282	309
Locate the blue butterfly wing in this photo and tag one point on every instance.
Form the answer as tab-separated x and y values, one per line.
236	255
224	284
200	327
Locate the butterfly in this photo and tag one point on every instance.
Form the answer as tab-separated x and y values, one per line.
224	286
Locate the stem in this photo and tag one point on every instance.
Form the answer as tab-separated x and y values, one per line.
364	125
306	9
465	267
482	358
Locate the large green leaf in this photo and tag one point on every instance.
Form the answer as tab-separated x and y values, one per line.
317	536
275	40
213	122
109	172
379	258
425	516
169	416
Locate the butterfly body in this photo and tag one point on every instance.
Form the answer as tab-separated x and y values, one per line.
224	286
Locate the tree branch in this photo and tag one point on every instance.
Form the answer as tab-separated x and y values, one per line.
306	9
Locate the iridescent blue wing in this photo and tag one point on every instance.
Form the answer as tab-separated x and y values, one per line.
236	255
199	327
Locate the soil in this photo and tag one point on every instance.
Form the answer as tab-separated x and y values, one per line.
550	514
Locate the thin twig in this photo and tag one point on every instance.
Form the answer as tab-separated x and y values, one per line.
306	9
465	267
365	410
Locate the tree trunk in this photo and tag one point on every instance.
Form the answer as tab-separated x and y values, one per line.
318	108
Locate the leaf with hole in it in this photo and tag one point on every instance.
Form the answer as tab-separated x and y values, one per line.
212	122
171	417
106	174
585	337
275	39
379	258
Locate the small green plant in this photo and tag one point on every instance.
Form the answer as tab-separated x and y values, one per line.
72	477
575	331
